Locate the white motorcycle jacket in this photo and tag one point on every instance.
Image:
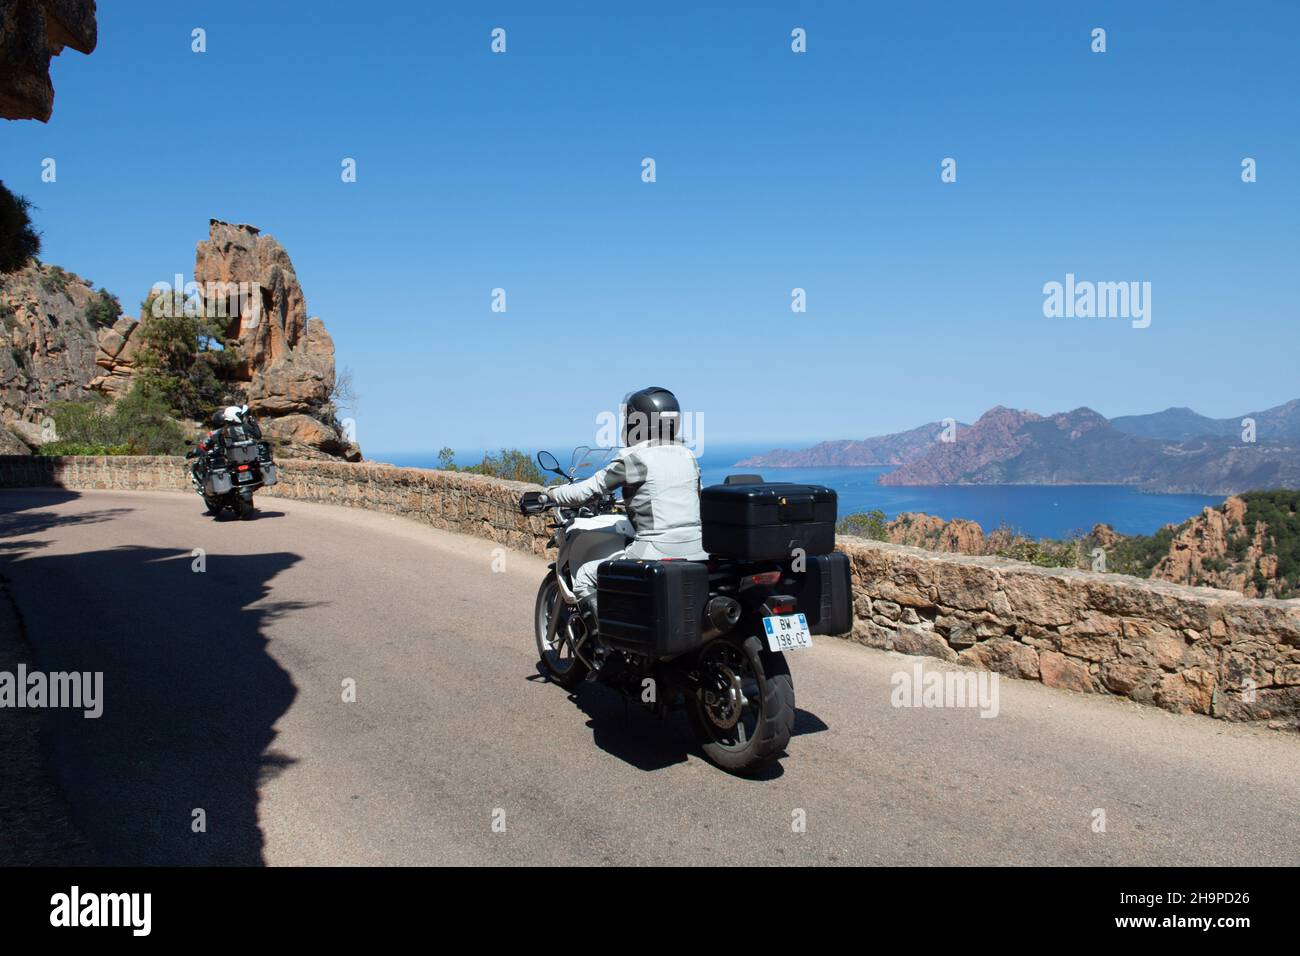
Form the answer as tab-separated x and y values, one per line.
661	489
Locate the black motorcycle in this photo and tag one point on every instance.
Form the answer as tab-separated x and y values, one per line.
709	636
233	464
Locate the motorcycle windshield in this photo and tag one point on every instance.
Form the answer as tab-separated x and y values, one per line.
587	461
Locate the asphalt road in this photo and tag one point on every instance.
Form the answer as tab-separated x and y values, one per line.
224	693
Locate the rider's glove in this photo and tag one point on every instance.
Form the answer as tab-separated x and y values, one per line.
533	502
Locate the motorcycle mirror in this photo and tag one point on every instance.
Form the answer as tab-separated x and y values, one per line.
549	462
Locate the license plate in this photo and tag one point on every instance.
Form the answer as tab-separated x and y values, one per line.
244	475
788	632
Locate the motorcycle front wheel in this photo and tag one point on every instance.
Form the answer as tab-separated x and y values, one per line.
214	505
558	659
742	715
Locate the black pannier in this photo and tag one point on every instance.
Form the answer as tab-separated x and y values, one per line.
242	452
654	608
767	521
825	593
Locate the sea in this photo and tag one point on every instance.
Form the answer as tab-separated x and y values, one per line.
1038	511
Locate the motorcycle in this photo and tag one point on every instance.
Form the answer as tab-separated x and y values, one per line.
226	475
731	676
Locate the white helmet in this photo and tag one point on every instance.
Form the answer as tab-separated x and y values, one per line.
234	414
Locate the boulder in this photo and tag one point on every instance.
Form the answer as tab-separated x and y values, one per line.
11	444
302	436
29	433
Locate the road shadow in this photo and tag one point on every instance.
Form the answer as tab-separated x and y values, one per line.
626	730
190	694
258	515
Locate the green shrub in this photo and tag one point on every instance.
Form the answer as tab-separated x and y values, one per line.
1279	510
19	242
1139	554
141	423
82	448
511	464
869	524
104	310
187	360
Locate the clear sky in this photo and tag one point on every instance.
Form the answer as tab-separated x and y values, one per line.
774	170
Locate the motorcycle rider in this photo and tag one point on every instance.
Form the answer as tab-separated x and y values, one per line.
232	416
660	479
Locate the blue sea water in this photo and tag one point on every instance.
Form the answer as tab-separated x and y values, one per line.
1040	511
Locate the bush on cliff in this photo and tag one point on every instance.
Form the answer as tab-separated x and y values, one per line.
1279	510
187	360
104	310
139	424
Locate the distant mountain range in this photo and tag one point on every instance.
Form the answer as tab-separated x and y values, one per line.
898	449
1176	450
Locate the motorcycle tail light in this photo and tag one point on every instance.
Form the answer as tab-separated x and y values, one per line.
243	467
767	577
783	608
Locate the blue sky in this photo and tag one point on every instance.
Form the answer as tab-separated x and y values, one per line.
774	170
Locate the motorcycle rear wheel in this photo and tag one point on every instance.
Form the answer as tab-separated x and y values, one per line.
244	507
558	660
742	718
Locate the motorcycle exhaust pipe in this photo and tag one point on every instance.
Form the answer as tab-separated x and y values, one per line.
721	614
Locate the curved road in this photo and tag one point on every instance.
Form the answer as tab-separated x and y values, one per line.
224	693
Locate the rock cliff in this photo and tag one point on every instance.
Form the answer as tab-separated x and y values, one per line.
31	32
57	347
48	349
288	357
1227	547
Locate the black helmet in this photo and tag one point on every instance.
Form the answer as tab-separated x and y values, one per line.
651	414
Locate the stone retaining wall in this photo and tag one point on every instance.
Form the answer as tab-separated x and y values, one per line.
468	504
1185	649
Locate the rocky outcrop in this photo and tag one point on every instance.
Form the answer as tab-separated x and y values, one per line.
115	353
1219	548
52	352
31	32
957	536
288	357
48	345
